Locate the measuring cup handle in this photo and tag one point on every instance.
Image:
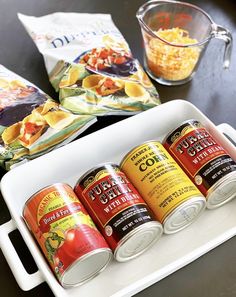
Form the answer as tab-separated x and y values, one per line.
224	34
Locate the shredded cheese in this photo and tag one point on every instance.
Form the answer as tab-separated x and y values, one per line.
169	61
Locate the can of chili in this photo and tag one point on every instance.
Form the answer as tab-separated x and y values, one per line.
205	161
172	197
74	248
118	210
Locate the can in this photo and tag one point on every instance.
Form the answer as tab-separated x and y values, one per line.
205	161
118	210
172	197
74	248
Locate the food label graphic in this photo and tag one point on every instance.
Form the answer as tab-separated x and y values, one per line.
113	202
200	155
158	178
90	64
31	123
62	227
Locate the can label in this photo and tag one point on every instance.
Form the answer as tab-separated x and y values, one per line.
158	178
199	154
113	202
62	227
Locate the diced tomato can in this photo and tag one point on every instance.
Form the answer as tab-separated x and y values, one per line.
172	197
206	161
74	248
118	210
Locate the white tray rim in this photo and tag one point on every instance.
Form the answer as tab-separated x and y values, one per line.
150	278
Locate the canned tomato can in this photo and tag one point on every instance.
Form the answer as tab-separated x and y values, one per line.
173	198
118	210
205	161
74	248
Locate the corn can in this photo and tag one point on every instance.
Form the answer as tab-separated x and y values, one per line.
205	161
74	248
172	197
118	210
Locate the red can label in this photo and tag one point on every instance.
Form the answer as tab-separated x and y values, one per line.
199	154
62	227
113	202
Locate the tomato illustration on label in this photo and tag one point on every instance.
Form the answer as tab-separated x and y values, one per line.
62	227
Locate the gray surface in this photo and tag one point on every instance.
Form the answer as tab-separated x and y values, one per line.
212	90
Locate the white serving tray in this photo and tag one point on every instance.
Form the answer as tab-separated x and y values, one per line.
68	163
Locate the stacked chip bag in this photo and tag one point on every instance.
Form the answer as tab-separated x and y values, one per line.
31	123
90	64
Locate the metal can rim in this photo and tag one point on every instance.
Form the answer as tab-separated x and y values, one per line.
187	201
217	185
135	231
76	262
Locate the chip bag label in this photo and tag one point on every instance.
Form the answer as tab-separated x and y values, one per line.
90	64
31	123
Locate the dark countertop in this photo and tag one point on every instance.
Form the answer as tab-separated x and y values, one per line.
212	90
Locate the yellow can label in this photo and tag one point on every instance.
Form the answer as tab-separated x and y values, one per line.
158	178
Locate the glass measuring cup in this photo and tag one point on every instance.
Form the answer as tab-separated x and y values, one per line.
175	36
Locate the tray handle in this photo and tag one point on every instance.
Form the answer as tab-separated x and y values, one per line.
228	131
25	280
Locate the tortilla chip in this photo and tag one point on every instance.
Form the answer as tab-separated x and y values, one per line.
71	77
133	89
27	138
91	81
59	119
11	133
48	105
141	77
102	85
35	117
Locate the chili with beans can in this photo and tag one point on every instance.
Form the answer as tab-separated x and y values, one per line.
74	248
118	210
205	161
173	198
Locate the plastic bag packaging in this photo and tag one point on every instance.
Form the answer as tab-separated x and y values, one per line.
90	64
31	123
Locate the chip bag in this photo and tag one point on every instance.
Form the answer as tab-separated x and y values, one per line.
90	64
31	123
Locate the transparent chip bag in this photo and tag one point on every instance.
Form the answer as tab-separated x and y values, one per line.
31	123
90	64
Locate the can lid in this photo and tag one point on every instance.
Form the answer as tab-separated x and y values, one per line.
184	215
223	191
138	241
86	267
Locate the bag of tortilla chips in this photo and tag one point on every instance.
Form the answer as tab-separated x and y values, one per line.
90	64
31	123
